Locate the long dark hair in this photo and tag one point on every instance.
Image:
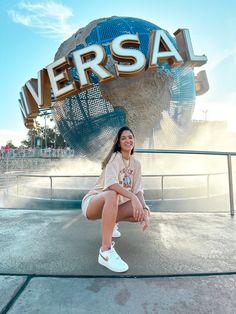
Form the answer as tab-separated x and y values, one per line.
116	145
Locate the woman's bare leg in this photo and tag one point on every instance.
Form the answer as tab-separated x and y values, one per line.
105	206
125	211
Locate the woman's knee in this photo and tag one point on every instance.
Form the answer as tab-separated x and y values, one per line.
111	196
91	217
95	208
139	194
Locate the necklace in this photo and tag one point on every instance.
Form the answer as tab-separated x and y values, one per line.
126	163
127	180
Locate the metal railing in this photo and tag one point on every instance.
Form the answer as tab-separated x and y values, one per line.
162	176
200	152
36	153
207	175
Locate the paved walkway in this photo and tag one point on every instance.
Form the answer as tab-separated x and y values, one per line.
185	263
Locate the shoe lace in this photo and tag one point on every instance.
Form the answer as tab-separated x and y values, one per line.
116	227
113	251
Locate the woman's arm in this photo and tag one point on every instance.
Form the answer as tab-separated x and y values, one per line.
146	221
138	211
137	187
142	201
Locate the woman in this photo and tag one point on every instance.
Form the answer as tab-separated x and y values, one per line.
117	196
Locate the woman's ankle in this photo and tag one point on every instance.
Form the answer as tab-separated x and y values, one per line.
105	247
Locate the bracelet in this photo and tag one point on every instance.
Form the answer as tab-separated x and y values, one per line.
147	208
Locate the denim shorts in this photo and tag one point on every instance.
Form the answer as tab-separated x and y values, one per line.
85	203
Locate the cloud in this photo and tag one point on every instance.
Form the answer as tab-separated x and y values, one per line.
15	137
48	18
220	56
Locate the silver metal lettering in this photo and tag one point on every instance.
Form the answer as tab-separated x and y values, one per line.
135	57
60	79
91	59
40	89
162	50
186	49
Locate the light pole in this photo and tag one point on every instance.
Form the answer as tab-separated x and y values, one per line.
45	131
205	113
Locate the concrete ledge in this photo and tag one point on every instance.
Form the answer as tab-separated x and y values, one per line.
215	203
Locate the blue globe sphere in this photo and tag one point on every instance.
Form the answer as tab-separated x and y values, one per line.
87	120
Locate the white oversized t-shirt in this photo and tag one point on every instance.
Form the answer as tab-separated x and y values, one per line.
127	173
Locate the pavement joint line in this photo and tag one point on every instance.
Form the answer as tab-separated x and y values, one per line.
31	276
16	295
70	222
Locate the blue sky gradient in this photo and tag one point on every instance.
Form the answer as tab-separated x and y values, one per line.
31	32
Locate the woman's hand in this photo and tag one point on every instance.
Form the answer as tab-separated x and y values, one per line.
146	221
148	210
138	211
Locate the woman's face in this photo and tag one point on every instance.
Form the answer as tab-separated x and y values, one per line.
127	141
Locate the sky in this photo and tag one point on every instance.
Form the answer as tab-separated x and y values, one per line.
32	31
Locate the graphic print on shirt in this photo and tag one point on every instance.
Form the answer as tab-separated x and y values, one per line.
126	178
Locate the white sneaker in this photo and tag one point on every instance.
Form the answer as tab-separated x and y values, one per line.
111	260
116	233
